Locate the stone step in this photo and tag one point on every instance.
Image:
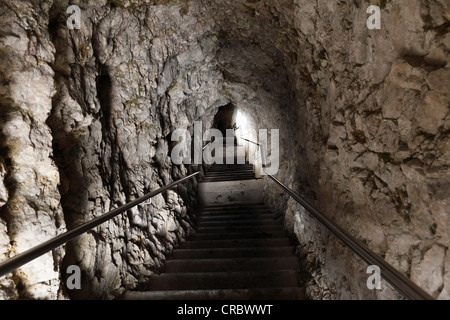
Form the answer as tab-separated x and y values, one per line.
235	243
233	207
238	235
236	217
239	229
235	167
229	171
231	192
253	223
229	253
224	280
229	176
237	212
205	180
231	265
288	293
219	208
225	170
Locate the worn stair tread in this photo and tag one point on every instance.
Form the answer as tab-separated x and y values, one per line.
259	222
207	180
224	280
234	167
231	265
271	242
239	229
230	174
242	252
233	212
286	293
241	207
237	235
237	217
232	206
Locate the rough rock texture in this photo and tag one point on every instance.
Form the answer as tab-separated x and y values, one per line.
86	118
126	80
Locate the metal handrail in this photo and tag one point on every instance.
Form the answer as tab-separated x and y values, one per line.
258	144
35	252
398	280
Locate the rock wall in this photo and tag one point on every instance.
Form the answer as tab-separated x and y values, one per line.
90	113
364	116
374	139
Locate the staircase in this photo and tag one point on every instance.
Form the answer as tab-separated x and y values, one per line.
239	250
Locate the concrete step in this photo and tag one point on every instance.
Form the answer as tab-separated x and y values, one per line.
252	223
235	167
239	229
229	171
231	192
229	176
231	179
233	207
238	235
229	253
227	179
236	217
288	293
235	243
231	265
219	208
224	280
213	214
